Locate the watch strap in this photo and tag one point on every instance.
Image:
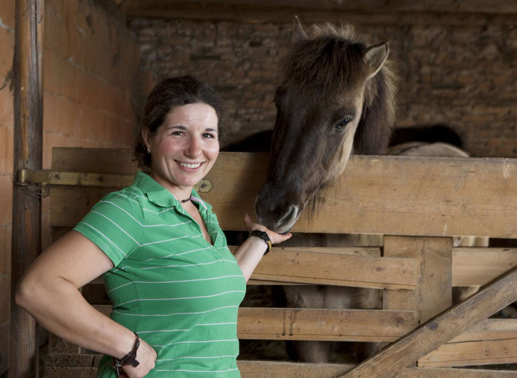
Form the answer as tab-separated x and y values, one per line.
264	236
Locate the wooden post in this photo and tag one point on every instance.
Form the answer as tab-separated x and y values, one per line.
433	293
28	132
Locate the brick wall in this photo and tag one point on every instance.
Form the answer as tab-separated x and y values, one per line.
454	69
91	84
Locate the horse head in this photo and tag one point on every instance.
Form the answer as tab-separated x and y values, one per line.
337	96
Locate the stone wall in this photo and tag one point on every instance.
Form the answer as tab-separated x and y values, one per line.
456	70
91	84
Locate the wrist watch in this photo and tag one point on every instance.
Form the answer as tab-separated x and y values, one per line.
264	236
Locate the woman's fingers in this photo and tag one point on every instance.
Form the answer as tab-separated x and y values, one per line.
247	222
278	238
275	237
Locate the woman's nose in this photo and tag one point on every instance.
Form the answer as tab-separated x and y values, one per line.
194	147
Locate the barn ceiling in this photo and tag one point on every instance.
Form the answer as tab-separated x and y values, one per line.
281	10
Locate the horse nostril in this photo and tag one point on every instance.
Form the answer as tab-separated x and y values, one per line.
289	216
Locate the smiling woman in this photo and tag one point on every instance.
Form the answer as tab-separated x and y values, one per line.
175	285
185	148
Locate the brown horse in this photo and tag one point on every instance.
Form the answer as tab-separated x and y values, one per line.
338	96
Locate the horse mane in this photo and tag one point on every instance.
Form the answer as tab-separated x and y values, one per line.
331	59
374	130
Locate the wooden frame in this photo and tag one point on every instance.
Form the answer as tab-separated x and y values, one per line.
28	147
416	270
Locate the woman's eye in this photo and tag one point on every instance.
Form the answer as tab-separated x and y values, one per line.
342	124
177	133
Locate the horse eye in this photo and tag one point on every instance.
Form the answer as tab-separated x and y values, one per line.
343	123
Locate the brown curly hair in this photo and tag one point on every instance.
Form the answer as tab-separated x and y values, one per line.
164	97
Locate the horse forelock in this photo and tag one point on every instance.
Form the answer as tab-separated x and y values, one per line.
332	59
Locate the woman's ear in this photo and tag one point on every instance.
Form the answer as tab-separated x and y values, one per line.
145	138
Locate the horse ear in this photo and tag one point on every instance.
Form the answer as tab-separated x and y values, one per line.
299	34
375	57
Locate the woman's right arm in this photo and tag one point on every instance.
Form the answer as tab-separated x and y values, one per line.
49	292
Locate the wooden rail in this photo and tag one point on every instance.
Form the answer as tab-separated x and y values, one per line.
379	195
470	267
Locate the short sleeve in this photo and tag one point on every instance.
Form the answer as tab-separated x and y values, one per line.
114	225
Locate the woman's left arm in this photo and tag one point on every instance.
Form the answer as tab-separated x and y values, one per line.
250	253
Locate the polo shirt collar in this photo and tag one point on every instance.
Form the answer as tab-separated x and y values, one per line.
160	196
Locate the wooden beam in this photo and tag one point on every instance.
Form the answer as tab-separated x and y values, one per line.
252	10
318	324
479	266
28	142
406	351
345	268
267	369
490	342
380	195
472	353
324	324
489	330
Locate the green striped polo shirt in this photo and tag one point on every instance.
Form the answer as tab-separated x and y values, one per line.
178	292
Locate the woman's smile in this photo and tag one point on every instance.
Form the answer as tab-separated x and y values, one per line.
190	167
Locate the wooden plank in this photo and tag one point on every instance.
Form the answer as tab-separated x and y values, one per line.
492	341
386	195
74	178
175	9
28	146
489	329
99	160
472	353
440	330
314	266
318	324
323	324
268	369
68	205
479	266
380	195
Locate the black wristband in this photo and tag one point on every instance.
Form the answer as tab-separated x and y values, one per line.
128	359
264	236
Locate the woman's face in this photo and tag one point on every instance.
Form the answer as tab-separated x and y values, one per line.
185	147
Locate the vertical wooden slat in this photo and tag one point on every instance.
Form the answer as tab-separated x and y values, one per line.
434	289
433	292
28	131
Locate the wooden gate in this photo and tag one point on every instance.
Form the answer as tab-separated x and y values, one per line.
419	204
